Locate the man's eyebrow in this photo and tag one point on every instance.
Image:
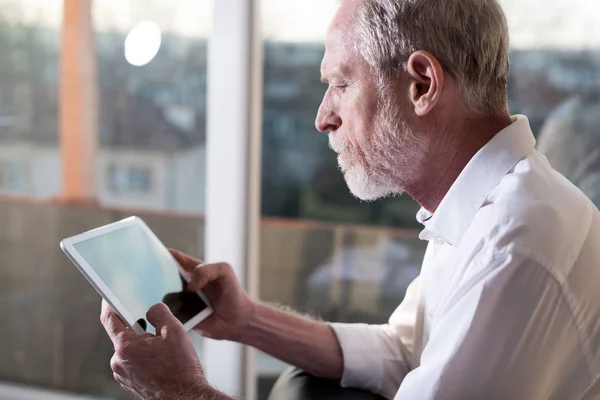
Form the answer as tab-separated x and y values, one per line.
335	76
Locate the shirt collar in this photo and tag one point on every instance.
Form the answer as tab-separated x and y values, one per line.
476	181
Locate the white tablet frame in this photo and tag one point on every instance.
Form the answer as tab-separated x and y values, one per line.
68	247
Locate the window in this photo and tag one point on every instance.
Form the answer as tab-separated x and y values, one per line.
129	179
152	101
313	259
29	42
328	254
90	136
133	124
13	177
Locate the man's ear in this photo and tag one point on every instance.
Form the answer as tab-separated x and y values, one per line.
427	81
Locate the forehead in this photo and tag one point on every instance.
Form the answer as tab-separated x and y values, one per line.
336	51
339	53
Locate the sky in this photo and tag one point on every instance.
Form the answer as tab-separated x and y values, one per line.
534	24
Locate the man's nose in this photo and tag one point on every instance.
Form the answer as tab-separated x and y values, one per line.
327	120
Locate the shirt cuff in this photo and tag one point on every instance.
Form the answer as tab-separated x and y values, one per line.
361	350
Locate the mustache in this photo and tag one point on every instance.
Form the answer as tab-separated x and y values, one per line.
336	144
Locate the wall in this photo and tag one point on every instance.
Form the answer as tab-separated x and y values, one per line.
178	179
42	164
187	180
46	177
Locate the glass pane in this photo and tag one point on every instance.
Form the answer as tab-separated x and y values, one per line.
29	38
324	252
144	61
555	81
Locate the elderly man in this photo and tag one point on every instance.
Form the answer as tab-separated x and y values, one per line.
507	305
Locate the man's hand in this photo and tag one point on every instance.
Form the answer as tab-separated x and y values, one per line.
300	341
232	306
149	367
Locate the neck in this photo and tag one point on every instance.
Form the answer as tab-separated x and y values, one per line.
449	154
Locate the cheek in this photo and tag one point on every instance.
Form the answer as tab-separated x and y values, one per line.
358	110
358	149
362	110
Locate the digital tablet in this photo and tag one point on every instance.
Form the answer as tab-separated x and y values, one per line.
132	270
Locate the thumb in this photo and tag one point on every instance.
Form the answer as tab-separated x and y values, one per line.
163	320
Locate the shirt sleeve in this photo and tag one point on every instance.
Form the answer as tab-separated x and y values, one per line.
507	333
377	357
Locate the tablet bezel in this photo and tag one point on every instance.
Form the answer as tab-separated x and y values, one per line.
68	247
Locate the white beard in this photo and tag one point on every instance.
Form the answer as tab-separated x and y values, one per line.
364	187
378	176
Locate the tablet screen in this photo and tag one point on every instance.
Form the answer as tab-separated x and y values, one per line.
136	268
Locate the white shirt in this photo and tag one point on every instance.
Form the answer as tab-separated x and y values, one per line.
507	305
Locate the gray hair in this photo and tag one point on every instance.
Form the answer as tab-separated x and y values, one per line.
468	37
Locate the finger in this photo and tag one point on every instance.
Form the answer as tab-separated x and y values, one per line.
206	274
116	365
111	322
164	321
187	263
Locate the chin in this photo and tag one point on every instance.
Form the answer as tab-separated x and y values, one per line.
364	187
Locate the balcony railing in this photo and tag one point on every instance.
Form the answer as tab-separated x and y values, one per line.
51	334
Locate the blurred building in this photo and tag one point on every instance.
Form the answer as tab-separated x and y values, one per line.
570	139
143	161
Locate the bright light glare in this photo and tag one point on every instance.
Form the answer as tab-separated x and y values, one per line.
142	43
